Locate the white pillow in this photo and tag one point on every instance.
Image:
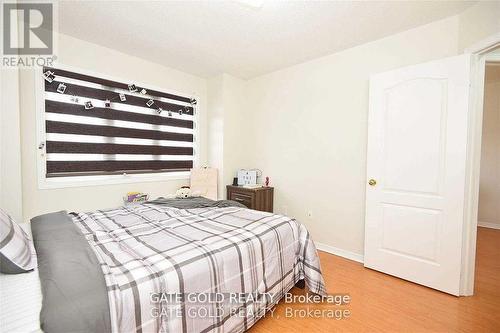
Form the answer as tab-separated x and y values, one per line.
15	247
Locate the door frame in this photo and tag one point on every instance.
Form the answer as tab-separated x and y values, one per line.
479	57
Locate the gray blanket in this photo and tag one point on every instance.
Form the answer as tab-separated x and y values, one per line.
73	287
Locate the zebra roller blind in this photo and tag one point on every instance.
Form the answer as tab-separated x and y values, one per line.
95	126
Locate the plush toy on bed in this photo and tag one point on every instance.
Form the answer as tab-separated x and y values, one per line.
183	193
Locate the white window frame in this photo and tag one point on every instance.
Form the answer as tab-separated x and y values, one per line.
45	182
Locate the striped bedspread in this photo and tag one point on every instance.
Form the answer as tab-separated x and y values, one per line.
197	270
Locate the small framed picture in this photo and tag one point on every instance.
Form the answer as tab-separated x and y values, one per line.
193	101
150	102
144	91
107	103
159	111
132	88
88	105
49	76
123	98
61	88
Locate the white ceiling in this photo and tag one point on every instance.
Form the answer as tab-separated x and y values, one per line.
206	38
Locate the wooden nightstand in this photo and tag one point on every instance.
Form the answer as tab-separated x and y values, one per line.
260	198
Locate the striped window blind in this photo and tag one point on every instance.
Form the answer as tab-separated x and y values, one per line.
123	131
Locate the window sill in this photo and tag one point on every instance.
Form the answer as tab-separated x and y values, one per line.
83	181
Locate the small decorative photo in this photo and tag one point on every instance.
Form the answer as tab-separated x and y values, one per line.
150	102
49	76
61	88
132	88
123	98
144	91
107	103
88	105
159	111
193	101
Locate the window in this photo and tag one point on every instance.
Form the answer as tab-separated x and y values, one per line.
99	127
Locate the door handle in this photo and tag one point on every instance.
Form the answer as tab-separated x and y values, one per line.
372	182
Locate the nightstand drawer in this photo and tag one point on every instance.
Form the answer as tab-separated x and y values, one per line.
242	198
260	198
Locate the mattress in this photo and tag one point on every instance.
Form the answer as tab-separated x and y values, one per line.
20	300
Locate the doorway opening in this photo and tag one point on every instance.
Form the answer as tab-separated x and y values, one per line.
488	232
489	180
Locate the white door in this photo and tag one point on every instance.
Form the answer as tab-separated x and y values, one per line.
417	137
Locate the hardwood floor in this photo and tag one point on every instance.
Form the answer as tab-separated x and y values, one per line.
382	303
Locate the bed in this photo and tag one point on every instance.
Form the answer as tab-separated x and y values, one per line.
185	265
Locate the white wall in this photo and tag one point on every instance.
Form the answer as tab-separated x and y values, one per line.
489	190
309	125
10	145
215	129
91	57
237	139
227	131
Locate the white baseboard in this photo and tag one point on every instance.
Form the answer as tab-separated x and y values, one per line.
488	225
340	252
